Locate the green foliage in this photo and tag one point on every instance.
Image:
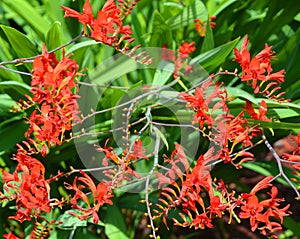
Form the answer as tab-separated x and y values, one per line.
19	42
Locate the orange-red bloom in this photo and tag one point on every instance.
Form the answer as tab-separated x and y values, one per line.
85	18
257	71
200	101
201	25
262	110
10	236
53	84
187	48
29	187
101	195
107	27
189	193
262	213
294	157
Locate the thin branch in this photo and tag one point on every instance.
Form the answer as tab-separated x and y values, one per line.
197	85
15	71
127	122
155	163
30	59
103	86
175	125
90	169
142	130
68	43
280	168
128	102
104	132
289	162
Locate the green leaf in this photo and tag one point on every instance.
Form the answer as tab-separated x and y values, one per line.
163	138
115	227
55	36
11	133
268	168
291	224
208	42
237	92
14	89
80	45
53	10
70	221
29	14
112	69
161	33
279	13
222	6
276	125
162	75
195	11
212	59
5	105
139	26
21	44
288	58
5	55
125	201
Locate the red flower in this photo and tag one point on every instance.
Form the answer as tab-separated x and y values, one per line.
101	195
295	156
53	83
167	54
272	205
262	213
201	221
187	48
109	154
199	102
189	193
29	187
262	110
10	236
85	18
234	131
243	56
138	151
251	210
201	25
257	71
107	27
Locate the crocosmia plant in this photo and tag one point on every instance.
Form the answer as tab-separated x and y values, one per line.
126	119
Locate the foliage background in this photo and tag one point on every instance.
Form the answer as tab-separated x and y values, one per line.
154	23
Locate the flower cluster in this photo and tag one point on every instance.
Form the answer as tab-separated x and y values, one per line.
201	103
230	130
54	97
180	58
189	194
123	164
294	157
196	185
201	25
101	194
262	213
27	185
108	26
258	71
53	90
